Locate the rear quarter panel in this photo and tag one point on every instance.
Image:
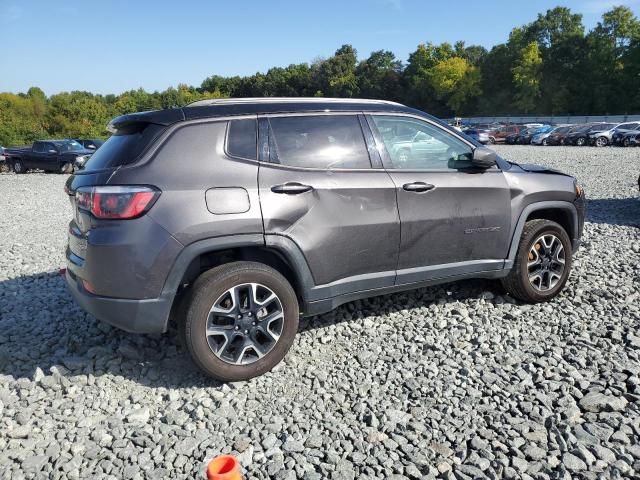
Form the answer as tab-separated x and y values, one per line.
190	160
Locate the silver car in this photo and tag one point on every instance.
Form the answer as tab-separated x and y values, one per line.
604	137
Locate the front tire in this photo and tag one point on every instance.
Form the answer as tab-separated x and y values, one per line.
542	263
580	142
545	142
66	168
240	320
602	142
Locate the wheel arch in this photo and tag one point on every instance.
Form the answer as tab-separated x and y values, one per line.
561	212
276	251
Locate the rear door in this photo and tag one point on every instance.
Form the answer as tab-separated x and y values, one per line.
452	221
320	190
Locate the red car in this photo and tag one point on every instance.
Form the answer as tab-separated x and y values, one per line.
499	135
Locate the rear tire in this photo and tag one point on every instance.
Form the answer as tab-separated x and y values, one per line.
66	168
18	167
602	142
236	359
536	235
580	142
545	142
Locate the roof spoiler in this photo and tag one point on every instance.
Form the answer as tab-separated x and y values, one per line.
158	117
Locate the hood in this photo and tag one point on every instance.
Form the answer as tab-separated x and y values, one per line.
533	168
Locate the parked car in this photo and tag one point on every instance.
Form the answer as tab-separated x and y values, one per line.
525	137
4	166
90	143
602	136
633	140
240	215
500	134
514	139
481	136
543	138
48	155
559	137
580	137
621	137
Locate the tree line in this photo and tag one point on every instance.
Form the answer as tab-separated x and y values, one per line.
549	66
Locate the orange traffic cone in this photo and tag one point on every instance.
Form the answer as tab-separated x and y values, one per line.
224	467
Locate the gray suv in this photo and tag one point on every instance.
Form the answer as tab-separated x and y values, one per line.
234	217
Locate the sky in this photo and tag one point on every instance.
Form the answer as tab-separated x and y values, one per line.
112	46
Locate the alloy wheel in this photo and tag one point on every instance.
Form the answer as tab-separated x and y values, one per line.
601	142
546	262
244	323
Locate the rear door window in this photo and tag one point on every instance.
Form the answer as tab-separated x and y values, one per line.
322	141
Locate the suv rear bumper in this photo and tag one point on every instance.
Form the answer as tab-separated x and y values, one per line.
135	316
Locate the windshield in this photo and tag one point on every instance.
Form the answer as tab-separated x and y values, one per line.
70	146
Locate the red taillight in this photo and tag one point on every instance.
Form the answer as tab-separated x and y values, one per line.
116	202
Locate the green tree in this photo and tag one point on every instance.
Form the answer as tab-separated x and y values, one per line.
337	75
379	76
456	82
526	77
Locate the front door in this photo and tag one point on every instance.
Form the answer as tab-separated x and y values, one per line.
320	191
452	221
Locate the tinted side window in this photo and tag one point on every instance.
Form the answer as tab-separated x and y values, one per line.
323	141
414	144
38	147
242	139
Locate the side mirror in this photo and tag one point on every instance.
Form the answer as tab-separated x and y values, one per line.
53	151
483	158
91	147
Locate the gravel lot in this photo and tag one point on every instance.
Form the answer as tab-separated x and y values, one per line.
457	381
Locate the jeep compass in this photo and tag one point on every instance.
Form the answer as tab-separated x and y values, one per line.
235	217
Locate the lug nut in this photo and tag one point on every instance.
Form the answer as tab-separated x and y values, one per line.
239	316
249	314
237	327
246	331
254	324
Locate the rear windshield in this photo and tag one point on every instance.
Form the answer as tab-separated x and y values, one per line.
125	146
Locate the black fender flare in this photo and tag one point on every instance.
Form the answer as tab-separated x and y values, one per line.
284	246
532	207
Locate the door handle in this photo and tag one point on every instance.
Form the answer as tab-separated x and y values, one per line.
418	187
291	188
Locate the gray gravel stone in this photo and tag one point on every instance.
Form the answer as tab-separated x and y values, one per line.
573	463
596	402
454	381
